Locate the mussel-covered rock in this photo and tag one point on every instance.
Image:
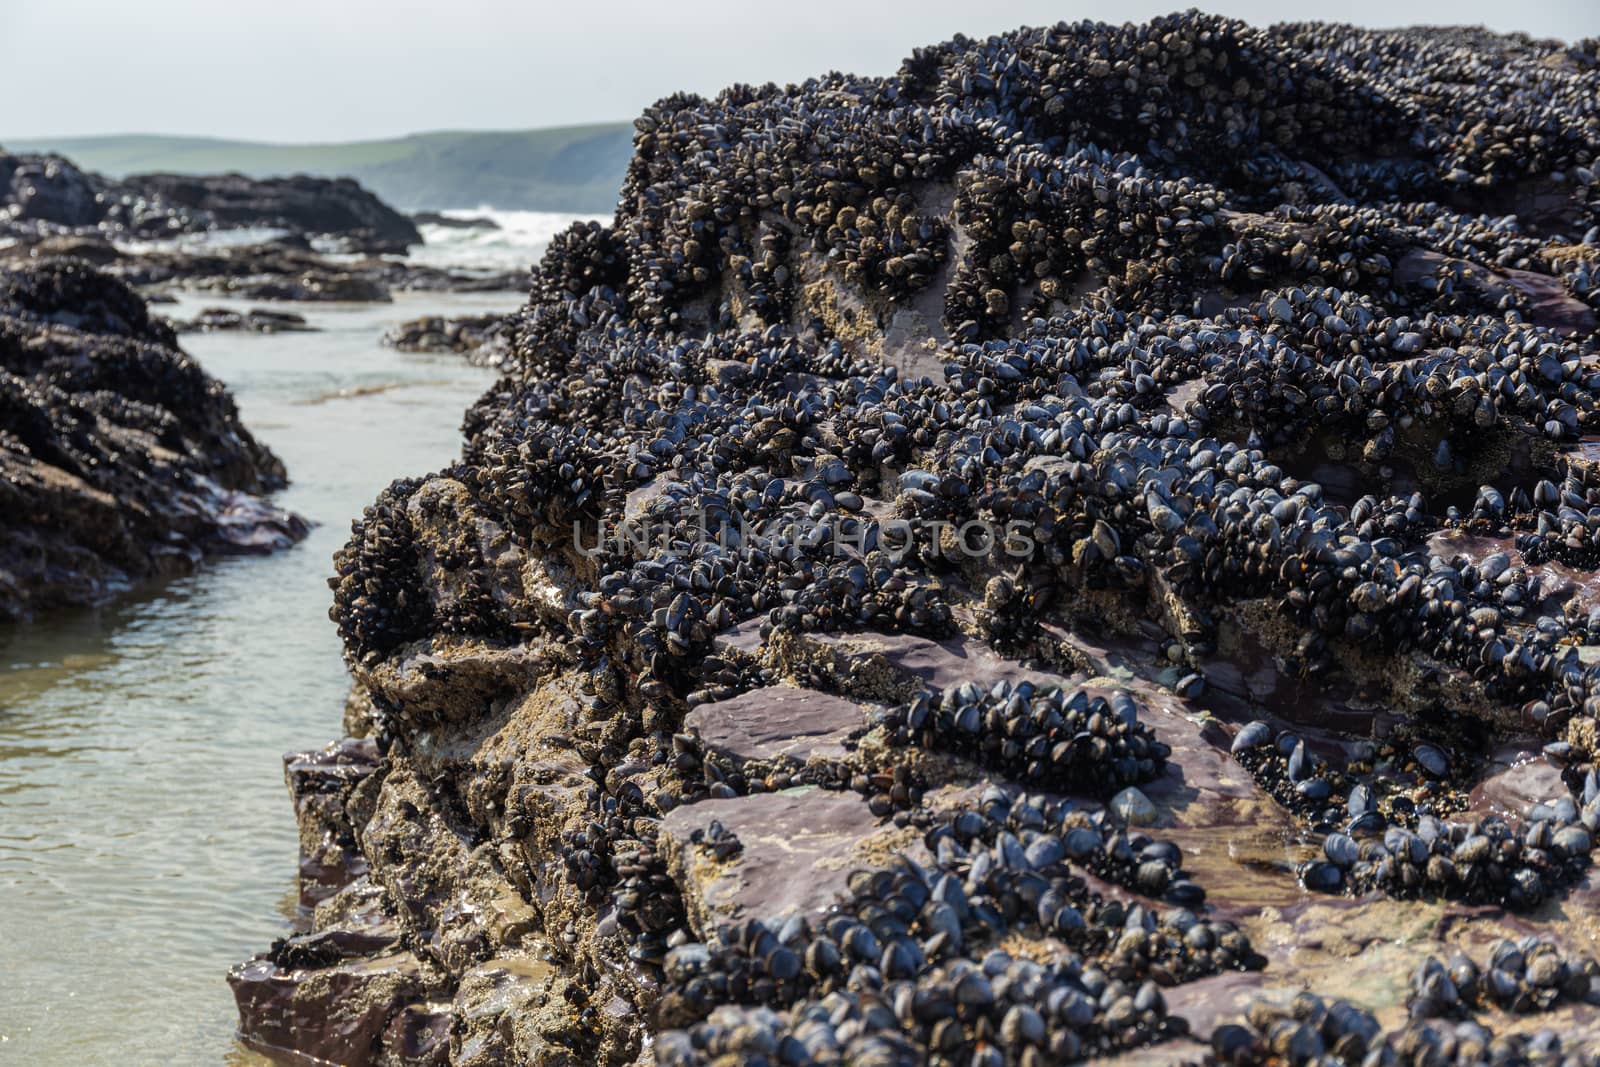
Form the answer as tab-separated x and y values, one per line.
1179	424
121	459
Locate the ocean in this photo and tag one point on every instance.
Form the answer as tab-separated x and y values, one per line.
505	248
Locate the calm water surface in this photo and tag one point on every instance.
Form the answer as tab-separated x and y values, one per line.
146	840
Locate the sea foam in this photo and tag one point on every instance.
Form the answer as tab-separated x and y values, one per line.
518	243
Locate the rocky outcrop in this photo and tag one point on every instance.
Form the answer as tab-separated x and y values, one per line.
49	209
255	320
122	461
924	592
284	269
48	195
483	339
300	204
452	222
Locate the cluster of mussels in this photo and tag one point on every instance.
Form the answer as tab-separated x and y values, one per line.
1494	860
1415	780
915	963
1044	737
1281	336
1520	976
1309	1031
1381	836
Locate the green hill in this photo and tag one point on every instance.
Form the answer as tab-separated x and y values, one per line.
573	168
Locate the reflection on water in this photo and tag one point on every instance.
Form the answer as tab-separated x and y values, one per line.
146	841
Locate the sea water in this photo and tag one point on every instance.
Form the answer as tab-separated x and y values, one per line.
146	838
502	248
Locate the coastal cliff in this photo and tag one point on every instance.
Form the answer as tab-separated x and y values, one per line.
1044	556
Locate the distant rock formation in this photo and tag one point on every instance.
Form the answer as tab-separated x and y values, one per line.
451	222
282	269
483	339
255	320
50	208
47	195
337	207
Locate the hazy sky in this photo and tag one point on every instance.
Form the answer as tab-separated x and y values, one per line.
346	69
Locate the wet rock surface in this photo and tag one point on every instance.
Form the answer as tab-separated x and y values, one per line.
777	723
120	460
337	1012
795	851
1161	450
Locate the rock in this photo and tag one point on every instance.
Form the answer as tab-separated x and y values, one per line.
483	339
445	893
40	195
339	1014
320	784
418	1035
506	1005
256	320
50	209
800	846
1553	306
50	189
887	664
450	222
1021	442
338	286
777	723
285	268
89	249
301	204
120	459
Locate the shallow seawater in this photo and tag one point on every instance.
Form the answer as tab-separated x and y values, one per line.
146	838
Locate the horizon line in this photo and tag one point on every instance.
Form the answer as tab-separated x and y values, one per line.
219	139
